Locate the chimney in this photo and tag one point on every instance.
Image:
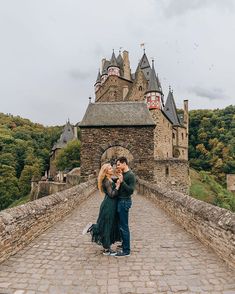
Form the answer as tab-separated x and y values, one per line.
186	116
126	66
75	132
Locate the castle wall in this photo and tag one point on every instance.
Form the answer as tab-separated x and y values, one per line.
138	140
172	174
162	135
180	143
212	225
22	224
139	88
112	89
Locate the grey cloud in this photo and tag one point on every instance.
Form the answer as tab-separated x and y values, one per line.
179	7
211	94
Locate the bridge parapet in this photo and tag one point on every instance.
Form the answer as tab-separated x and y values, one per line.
212	225
21	224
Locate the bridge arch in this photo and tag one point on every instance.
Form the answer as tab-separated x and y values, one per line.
96	141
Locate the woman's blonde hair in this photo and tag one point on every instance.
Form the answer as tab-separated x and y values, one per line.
101	176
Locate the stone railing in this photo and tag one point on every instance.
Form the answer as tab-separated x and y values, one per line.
212	225
21	224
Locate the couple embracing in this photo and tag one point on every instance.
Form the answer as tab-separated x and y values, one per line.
112	223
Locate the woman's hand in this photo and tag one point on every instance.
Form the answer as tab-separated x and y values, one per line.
118	183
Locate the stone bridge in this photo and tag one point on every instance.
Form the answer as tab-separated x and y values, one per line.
179	245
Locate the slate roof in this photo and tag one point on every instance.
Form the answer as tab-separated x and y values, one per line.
153	85
113	60
120	60
117	114
105	67
145	66
66	136
170	109
98	78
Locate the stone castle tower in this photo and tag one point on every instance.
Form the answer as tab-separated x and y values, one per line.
164	129
68	134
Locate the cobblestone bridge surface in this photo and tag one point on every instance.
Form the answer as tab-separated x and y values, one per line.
164	259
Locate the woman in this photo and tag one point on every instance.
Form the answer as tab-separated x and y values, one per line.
106	231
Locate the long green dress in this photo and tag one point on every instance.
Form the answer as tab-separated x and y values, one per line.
106	230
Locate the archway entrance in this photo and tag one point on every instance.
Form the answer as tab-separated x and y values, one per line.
113	153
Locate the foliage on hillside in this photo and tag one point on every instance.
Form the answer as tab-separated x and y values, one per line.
69	157
205	187
24	152
212	141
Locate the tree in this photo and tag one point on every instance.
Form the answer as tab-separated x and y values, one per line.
9	190
69	157
26	176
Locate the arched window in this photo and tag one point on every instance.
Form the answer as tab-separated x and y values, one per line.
140	88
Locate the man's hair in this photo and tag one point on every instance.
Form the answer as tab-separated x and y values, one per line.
122	159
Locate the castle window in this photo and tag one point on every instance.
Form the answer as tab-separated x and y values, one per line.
140	88
173	135
167	171
182	136
183	152
167	154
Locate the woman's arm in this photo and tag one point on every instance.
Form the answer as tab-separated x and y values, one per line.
109	190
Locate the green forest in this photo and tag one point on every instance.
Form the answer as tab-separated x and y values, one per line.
25	149
212	141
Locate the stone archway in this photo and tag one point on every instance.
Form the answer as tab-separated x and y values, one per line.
113	153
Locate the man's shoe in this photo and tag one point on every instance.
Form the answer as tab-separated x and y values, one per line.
122	254
109	252
87	228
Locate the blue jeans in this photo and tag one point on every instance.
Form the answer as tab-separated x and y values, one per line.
123	210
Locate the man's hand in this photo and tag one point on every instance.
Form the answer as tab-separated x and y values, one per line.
120	176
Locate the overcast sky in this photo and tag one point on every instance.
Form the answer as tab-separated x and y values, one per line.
51	50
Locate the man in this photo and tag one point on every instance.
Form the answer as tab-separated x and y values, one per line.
124	203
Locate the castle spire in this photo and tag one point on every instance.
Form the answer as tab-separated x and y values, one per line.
153	93
145	66
153	85
170	108
98	82
113	68
98	77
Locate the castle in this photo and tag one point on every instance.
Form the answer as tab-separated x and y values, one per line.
68	134
129	116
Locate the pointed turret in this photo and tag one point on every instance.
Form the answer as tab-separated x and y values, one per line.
145	66
170	109
153	85
104	75
113	68
98	81
66	136
120	60
153	93
120	63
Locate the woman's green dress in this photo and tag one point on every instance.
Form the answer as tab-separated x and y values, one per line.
106	231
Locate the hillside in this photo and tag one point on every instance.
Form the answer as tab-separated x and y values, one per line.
24	152
212	141
205	187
